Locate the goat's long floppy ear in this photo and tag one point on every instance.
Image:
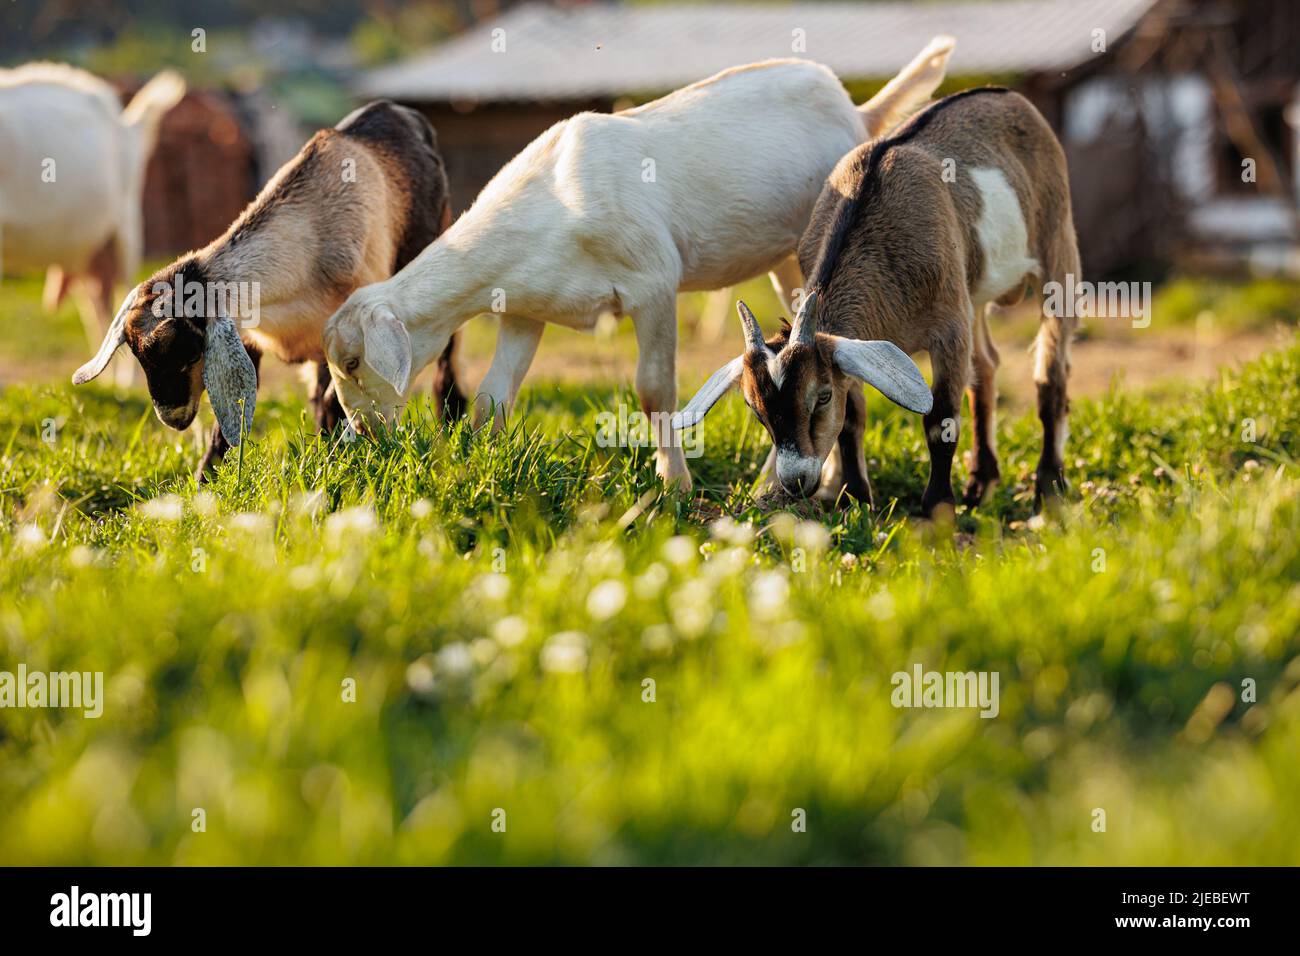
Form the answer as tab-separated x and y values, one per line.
719	383
886	367
388	349
230	378
113	340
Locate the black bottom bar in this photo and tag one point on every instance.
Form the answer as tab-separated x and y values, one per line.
329	906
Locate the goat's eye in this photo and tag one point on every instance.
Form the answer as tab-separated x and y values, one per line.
823	398
351	365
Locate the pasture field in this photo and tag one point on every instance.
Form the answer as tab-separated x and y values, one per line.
371	652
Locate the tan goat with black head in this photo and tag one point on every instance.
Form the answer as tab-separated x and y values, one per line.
915	237
356	204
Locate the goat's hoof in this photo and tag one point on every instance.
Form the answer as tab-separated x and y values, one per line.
937	496
943	513
207	468
1050	488
978	490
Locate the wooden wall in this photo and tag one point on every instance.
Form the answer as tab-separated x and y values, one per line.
475	143
202	173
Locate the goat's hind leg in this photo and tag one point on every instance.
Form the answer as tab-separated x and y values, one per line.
983	395
787	278
1052	370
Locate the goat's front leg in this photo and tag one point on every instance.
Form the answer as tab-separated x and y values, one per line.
950	359
517	343
846	466
656	386
324	401
217	444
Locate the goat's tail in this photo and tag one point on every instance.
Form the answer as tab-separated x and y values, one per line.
145	111
909	90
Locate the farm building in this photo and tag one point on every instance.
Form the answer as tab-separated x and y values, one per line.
215	151
1206	91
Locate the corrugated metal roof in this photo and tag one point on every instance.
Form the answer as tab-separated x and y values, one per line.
603	50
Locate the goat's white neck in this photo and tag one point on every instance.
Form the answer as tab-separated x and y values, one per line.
454	279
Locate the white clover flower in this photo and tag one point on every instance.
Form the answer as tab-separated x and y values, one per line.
691	607
605	558
359	521
606	599
168	507
455	660
492	586
565	653
510	631
204	504
657	638
30	537
82	556
309	504
769	595
419	675
679	551
726	529
483	650
812	536
727	563
249	522
650	582
881	605
304	577
782	526
421	509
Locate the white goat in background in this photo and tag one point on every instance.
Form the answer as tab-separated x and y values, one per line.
704	188
72	180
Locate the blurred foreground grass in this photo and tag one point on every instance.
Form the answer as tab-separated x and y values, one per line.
499	604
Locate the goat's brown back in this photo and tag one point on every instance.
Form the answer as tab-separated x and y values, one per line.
895	227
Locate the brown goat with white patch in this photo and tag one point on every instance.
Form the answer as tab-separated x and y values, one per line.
914	237
356	204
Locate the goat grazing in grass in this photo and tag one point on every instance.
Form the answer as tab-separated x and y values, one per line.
614	214
914	238
72	180
356	203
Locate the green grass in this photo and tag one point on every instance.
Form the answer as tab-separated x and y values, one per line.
499	602
1257	304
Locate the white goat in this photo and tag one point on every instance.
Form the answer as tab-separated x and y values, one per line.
72	180
704	188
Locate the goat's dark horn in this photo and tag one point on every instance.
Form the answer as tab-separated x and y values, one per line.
805	323
753	334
